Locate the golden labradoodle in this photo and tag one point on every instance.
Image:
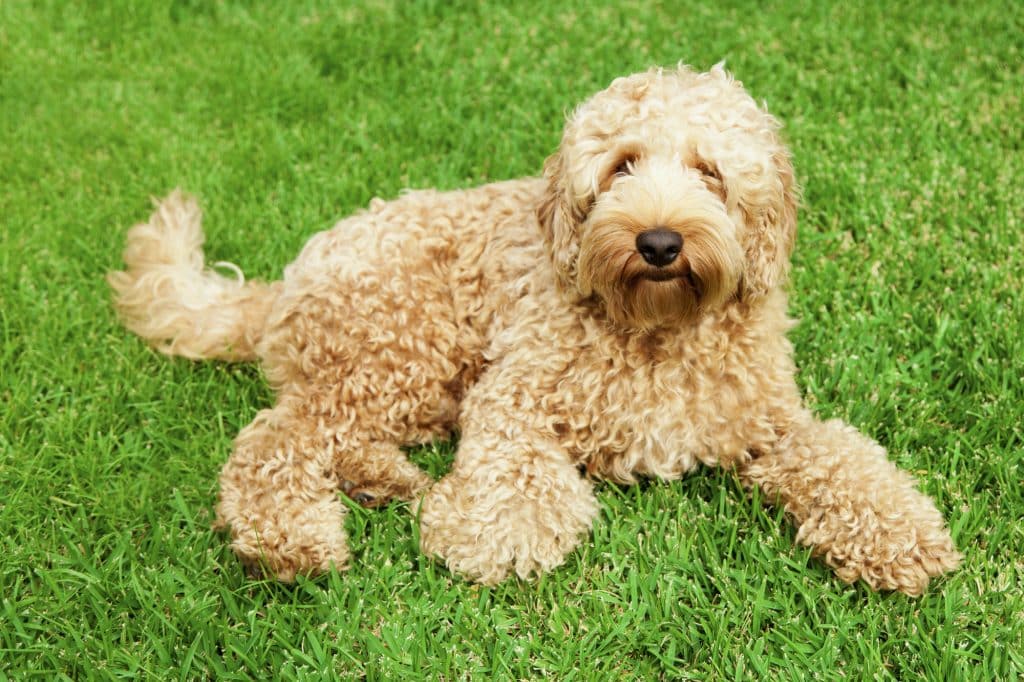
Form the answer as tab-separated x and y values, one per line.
623	316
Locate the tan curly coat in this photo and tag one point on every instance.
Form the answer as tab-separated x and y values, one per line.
526	315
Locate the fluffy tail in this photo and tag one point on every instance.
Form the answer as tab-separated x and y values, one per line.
167	296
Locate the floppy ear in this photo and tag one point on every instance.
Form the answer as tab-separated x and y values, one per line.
558	224
771	233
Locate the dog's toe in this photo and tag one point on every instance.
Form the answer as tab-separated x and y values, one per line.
367	499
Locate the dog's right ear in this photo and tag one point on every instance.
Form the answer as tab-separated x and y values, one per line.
558	223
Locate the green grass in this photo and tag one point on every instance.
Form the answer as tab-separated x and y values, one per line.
906	128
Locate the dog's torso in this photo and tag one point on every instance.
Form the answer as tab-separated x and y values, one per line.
464	276
403	299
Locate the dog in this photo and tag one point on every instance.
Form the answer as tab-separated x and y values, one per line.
622	316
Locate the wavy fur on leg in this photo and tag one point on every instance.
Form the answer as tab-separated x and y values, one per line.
854	507
279	495
172	300
510	508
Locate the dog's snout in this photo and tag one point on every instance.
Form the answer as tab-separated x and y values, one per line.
660	246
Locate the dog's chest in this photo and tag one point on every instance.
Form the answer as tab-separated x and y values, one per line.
665	442
651	419
627	406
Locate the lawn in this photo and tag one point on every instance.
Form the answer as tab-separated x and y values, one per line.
905	120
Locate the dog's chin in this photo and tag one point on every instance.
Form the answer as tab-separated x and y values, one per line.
652	300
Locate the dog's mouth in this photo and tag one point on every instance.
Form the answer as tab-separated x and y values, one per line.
660	276
686	277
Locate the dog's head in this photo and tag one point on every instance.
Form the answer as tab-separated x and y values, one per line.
669	195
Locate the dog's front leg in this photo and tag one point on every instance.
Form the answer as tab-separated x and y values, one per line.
854	507
513	503
508	506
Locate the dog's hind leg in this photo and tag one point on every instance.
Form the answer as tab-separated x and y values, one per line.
279	490
374	473
279	495
383	366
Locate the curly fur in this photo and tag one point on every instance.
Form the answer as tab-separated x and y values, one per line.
523	314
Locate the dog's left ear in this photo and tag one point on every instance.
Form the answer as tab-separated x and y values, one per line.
771	233
558	224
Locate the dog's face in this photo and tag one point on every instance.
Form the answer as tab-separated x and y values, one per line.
670	195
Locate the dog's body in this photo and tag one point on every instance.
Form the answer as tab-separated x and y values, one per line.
624	316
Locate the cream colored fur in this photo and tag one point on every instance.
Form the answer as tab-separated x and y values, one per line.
523	315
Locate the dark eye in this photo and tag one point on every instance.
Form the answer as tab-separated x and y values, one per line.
709	172
625	165
712	178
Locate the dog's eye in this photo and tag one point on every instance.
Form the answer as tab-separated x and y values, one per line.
624	167
709	172
712	178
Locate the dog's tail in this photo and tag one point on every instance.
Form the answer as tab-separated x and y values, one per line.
170	298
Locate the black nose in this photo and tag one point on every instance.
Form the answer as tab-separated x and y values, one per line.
659	246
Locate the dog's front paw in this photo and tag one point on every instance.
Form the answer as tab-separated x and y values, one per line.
485	529
888	551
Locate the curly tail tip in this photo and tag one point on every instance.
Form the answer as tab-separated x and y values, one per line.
168	296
